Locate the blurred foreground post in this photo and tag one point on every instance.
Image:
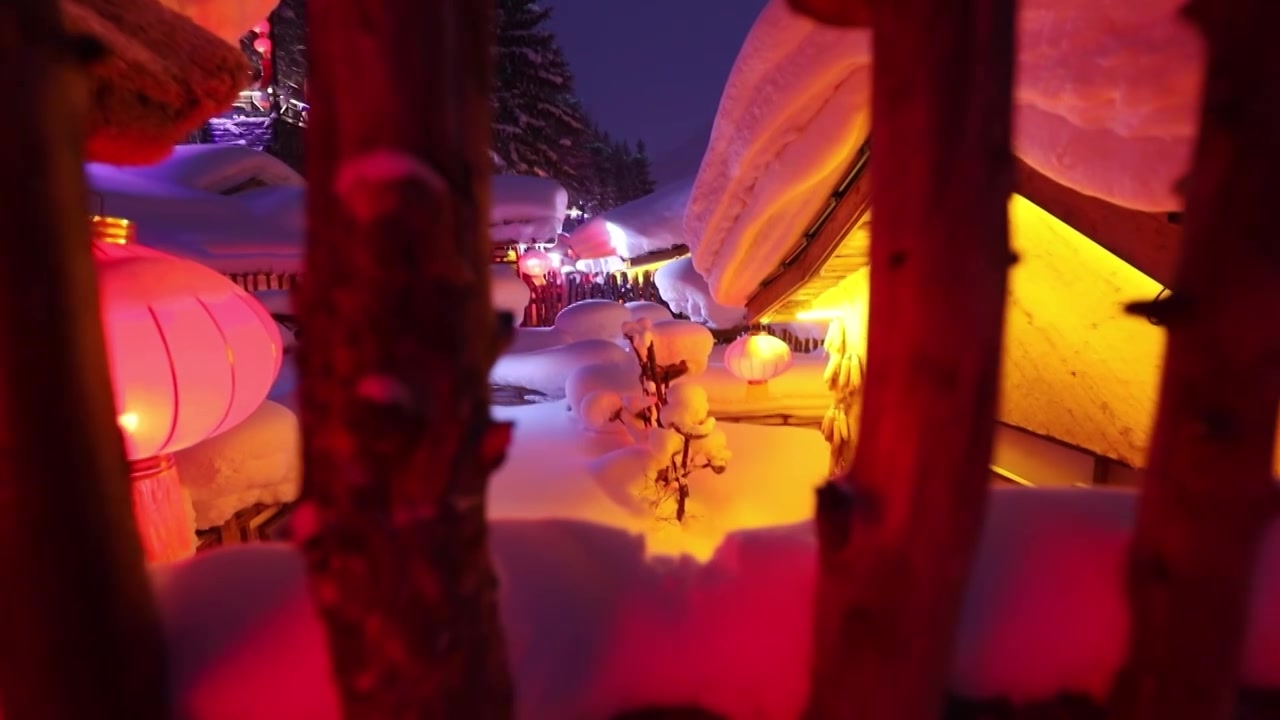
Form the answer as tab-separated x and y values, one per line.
398	338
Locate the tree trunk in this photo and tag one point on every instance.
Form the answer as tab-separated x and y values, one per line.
398	338
79	637
1208	493
898	531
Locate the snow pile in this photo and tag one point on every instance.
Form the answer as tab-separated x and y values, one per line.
593	619
526	209
219	169
257	461
644	309
652	223
593	320
547	371
685	290
176	210
1106	103
676	341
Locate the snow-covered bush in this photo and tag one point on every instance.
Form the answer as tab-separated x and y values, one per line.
641	309
672	430
593	320
617	378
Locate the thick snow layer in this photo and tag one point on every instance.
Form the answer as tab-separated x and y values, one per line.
685	290
1106	103
546	371
180	207
257	461
593	320
526	209
651	223
593	619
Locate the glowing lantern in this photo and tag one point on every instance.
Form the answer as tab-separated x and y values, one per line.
757	358
262	28
191	355
535	263
262	45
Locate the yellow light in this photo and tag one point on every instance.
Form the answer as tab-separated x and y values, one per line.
116	231
128	422
824	314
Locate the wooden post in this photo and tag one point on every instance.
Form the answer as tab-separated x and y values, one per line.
398	338
1208	493
79	636
898	531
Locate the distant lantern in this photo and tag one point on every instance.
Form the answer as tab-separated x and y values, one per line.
191	355
262	45
262	28
535	263
757	358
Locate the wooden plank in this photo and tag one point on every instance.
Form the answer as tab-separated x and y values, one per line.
898	531
1208	495
843	219
1147	241
79	634
397	438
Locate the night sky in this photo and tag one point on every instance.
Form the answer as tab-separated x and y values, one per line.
654	69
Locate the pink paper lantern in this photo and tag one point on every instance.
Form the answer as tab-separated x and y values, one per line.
262	45
535	263
757	358
191	353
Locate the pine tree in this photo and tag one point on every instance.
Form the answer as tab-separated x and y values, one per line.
539	125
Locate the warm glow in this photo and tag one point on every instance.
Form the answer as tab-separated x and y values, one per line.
535	263
116	231
617	237
757	358
187	348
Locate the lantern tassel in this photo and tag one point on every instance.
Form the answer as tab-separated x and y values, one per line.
162	510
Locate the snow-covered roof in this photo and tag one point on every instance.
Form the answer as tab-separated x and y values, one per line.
239	210
526	209
652	223
1105	104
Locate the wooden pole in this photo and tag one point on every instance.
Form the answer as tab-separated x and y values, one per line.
398	338
79	637
898	531
1208	493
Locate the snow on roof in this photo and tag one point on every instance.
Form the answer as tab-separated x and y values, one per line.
1106	103
180	207
526	209
651	223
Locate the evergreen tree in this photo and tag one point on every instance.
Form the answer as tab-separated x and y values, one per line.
538	123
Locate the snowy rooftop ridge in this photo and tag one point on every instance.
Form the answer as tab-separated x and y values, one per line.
1106	104
649	224
240	210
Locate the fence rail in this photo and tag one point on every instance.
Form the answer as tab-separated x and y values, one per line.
558	291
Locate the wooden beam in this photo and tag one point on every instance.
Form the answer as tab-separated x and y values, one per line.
848	210
398	338
1147	241
898	532
1209	495
79	634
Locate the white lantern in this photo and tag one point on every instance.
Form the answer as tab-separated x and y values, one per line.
535	263
757	358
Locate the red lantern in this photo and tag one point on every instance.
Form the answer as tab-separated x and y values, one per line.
262	28
757	358
262	45
535	263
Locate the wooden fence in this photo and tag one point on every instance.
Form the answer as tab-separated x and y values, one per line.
559	291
